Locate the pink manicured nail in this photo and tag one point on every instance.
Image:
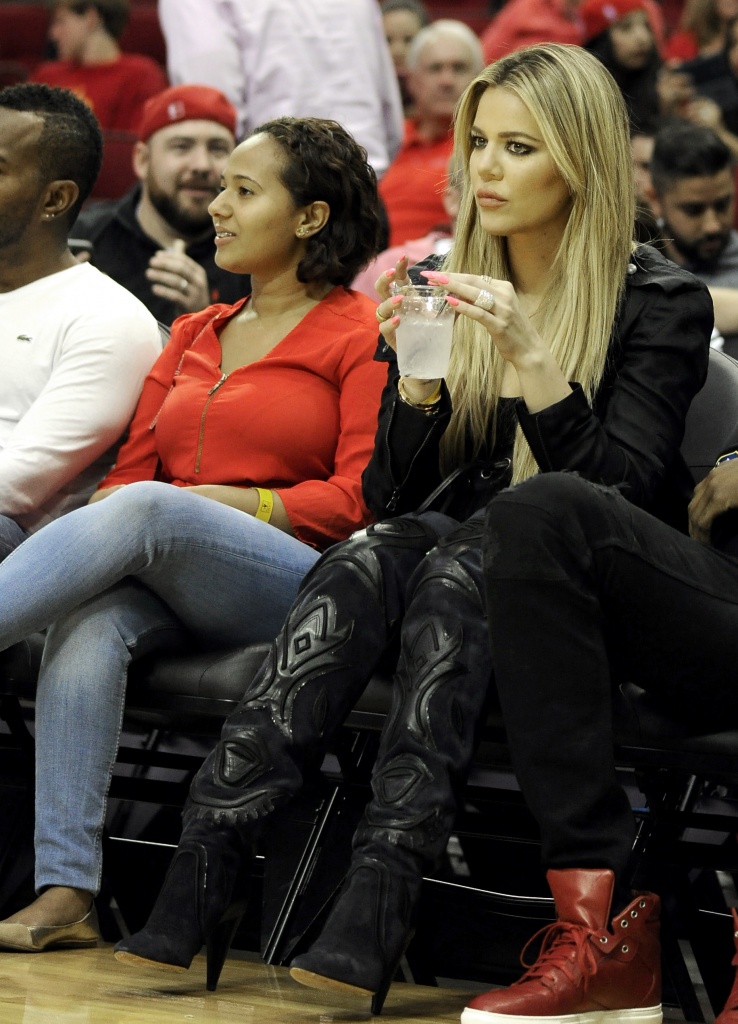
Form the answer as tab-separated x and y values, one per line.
433	276
395	321
396	299
452	300
389	273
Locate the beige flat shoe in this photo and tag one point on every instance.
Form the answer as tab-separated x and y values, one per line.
25	938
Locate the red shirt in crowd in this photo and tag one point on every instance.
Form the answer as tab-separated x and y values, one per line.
116	90
412	188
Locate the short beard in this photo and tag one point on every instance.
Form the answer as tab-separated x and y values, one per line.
184	223
691	253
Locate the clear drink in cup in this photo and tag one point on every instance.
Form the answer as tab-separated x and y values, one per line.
424	332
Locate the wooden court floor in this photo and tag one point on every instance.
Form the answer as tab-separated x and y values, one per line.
89	987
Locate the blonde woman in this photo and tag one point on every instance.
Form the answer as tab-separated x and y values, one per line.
572	351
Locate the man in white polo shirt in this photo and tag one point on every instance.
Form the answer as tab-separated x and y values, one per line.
74	345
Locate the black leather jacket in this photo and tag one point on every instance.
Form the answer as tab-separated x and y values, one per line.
629	439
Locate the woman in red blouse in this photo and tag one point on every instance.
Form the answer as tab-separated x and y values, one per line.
262	416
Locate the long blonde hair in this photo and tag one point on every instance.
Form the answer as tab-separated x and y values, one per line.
584	123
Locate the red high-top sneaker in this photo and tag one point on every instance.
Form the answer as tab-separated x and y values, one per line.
586	972
729	1013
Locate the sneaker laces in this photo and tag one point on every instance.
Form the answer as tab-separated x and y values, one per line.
558	939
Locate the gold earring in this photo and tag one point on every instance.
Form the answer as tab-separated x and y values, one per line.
302	232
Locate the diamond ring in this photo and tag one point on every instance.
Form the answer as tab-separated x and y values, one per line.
485	300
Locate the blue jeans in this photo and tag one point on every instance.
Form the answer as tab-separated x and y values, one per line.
143	570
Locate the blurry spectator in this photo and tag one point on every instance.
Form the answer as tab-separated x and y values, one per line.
443	59
299	58
641	147
523	22
693	196
116	85
74	346
158	241
620	33
402	20
702	29
416	249
716	103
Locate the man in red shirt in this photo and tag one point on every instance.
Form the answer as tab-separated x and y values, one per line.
443	58
115	84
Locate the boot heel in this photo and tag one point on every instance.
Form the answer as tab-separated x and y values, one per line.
381	994
218	944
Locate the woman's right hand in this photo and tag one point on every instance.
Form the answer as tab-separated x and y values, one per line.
388	304
415	389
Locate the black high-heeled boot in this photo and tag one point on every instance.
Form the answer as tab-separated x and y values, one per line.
362	943
438	697
202	901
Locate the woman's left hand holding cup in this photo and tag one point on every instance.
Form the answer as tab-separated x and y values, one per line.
495	305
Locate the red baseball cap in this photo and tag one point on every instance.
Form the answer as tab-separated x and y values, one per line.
598	15
186	103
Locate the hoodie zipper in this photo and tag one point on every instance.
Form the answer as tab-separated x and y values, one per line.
201	439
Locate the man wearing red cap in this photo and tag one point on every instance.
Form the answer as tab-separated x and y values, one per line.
158	240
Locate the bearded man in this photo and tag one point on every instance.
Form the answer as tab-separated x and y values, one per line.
158	240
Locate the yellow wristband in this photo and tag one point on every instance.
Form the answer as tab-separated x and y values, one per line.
266	505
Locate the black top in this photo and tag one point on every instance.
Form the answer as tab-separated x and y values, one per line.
629	439
122	250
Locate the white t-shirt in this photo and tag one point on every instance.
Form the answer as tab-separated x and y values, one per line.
296	58
74	350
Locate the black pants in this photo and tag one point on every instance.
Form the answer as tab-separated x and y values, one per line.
584	589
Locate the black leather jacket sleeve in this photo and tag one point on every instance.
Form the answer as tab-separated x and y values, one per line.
658	362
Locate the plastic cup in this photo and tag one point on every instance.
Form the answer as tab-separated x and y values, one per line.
424	332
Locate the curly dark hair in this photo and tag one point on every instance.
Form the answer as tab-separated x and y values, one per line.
323	163
71	143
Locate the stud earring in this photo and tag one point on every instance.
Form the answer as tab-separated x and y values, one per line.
301	232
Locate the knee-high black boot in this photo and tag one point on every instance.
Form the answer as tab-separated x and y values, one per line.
345	612
440	688
334	635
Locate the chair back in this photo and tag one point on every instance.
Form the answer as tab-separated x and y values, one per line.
712	421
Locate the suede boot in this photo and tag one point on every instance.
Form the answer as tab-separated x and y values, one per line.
729	1014
202	901
590	969
439	693
365	937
